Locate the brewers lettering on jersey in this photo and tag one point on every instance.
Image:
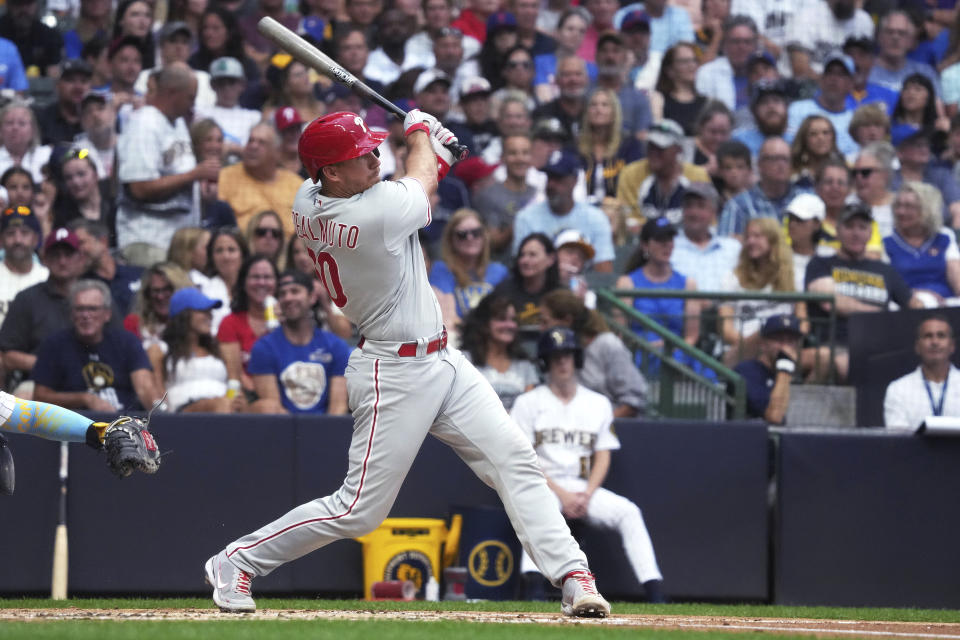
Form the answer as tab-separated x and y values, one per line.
403	381
571	428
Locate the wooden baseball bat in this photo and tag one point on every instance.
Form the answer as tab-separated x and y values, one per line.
58	587
312	57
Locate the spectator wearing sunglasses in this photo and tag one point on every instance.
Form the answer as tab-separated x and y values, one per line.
265	235
464	274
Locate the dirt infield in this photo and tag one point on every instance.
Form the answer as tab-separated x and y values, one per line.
815	627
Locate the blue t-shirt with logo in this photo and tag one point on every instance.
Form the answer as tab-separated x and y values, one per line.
469	296
68	365
303	372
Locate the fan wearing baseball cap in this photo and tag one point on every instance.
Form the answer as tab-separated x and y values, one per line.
290	125
654	186
833	102
228	81
768	376
478	129
43	308
19	236
858	284
560	211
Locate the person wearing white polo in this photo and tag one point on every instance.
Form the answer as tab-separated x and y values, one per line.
933	388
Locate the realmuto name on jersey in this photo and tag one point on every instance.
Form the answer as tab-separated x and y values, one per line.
335	234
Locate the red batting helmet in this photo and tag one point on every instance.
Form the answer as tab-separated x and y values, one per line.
334	138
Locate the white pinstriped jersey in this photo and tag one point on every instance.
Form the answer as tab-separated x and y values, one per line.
367	254
565	435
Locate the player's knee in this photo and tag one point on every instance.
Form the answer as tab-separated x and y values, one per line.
631	516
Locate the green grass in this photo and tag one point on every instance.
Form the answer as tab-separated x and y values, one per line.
340	630
244	629
689	609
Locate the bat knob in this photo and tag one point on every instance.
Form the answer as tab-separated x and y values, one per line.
459	151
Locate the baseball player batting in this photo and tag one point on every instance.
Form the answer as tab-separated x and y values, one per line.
572	431
403	382
127	442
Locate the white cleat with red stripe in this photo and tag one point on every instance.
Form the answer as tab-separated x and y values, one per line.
581	598
231	586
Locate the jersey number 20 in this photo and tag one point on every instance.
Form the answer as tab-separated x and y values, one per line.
329	276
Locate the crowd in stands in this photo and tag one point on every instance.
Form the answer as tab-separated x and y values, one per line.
148	166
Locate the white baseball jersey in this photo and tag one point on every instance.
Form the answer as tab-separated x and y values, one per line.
367	254
566	435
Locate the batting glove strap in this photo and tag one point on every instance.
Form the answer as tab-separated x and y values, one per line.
420	126
445	159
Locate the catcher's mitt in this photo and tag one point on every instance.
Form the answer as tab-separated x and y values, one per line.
129	446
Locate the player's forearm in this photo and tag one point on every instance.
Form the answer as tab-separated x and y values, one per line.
422	161
19	360
599	468
779	399
338	396
145	387
161	188
66	399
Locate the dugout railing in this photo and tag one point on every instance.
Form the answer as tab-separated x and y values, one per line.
676	389
697	381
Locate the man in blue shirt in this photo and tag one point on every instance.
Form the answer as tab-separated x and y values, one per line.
298	367
123	280
831	102
896	35
768	105
768	198
559	211
862	51
768	376
92	365
698	252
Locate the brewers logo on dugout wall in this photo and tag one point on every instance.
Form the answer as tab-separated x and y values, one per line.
489	549
491	563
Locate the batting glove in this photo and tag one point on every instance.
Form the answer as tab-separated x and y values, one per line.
417	120
445	159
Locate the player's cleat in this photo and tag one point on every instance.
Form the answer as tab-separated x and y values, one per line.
231	586
581	598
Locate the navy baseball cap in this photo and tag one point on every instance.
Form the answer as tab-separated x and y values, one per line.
635	20
856	210
760	57
19	216
782	323
562	164
191	298
658	229
765	88
845	61
501	20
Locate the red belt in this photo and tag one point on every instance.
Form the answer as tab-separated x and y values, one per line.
409	349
